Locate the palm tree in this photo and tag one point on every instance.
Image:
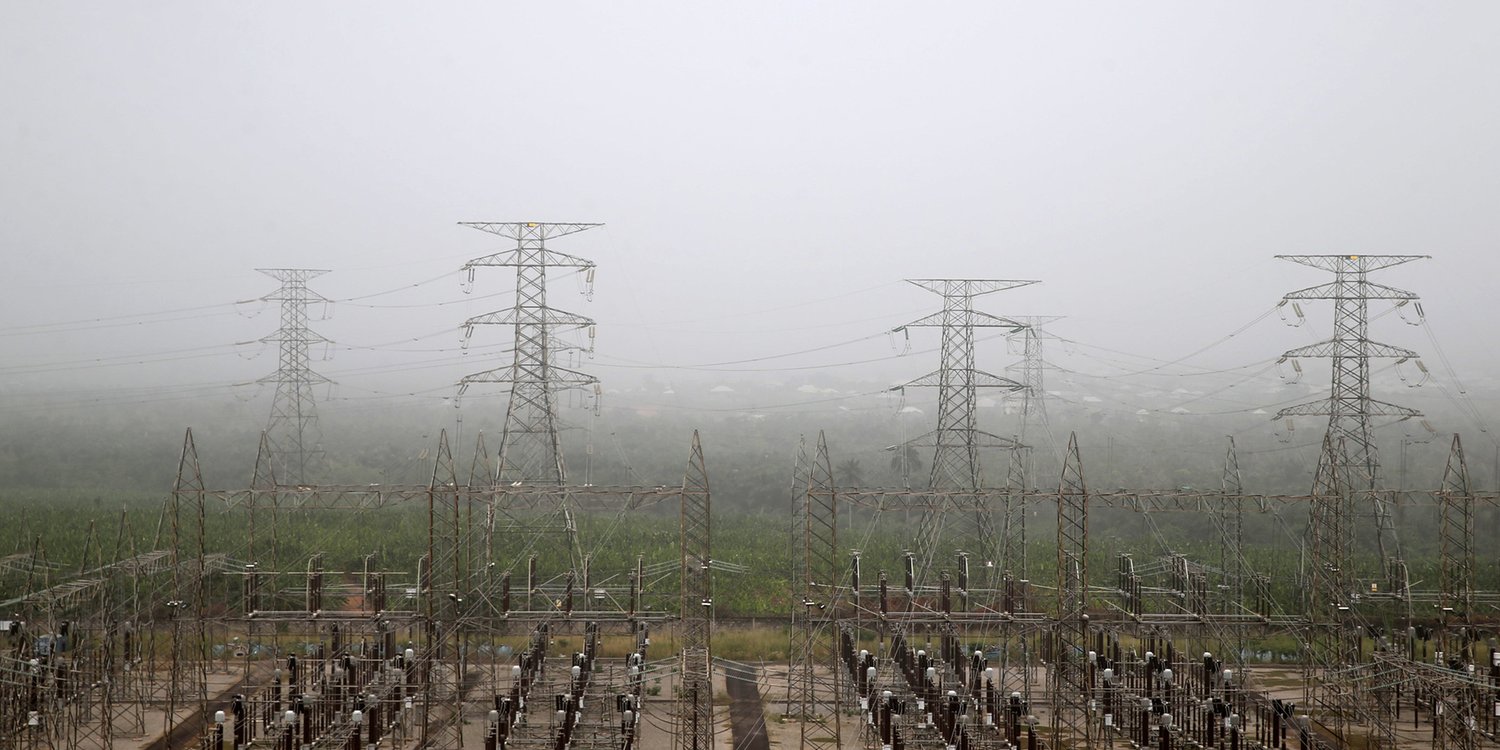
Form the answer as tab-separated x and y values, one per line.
850	473
905	460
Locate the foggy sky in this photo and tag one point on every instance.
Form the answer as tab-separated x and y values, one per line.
767	173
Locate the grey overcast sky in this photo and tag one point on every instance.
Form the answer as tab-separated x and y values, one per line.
768	173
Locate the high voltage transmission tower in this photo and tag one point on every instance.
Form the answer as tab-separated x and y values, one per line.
1033	416
293	428
968	525
1349	406
1342	687
955	463
530	450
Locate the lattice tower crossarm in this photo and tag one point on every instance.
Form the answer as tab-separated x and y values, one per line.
292	428
530	449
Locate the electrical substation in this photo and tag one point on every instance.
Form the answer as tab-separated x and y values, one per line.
484	642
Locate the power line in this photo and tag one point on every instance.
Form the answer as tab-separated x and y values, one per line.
107	323
402	288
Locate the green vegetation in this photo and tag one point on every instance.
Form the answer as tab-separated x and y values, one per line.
77	530
106	498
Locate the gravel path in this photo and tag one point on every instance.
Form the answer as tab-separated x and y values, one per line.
747	719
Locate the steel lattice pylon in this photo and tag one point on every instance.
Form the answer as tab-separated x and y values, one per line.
530	450
955	463
293	428
1012	558
695	729
1229	519
958	439
1333	652
1456	565
263	486
188	679
820	587
1034	424
1341	688
1349	407
1072	723
1462	704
